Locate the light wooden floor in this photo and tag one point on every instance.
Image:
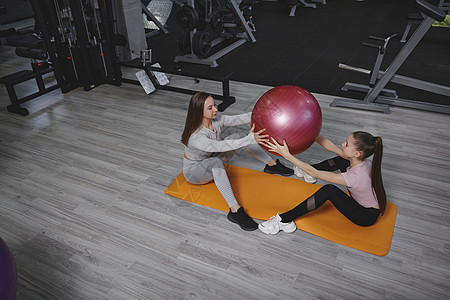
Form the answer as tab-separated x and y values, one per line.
84	212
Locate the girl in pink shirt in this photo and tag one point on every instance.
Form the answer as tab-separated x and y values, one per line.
363	179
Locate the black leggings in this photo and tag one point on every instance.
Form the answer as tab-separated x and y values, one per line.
333	164
346	205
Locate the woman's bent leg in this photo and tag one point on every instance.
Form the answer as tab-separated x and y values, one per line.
213	169
257	152
201	172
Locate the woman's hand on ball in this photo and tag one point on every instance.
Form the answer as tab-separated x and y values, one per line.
274	146
259	137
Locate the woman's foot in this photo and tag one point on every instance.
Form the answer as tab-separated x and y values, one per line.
242	219
274	225
300	173
279	169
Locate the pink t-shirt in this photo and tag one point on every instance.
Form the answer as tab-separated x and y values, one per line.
359	184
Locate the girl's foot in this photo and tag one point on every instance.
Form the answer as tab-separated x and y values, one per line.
300	173
274	225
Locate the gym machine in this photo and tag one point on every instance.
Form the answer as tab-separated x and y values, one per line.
152	70
414	19
152	76
79	36
79	48
293	4
377	97
227	22
151	18
40	66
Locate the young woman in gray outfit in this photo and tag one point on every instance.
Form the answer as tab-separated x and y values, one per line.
206	152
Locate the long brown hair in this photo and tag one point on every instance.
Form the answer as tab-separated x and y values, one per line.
368	144
194	116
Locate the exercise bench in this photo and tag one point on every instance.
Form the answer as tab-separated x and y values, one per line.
226	98
39	68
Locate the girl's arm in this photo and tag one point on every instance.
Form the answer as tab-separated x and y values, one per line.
331	177
283	150
329	145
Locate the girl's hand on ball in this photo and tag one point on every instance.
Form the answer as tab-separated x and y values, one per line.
274	146
259	137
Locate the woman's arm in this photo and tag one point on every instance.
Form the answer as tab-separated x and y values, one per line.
329	145
234	120
283	150
202	142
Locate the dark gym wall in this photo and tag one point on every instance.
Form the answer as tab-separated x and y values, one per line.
305	50
15	10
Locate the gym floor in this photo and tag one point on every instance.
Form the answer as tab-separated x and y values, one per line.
83	209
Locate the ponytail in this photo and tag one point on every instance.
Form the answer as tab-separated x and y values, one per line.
368	145
375	174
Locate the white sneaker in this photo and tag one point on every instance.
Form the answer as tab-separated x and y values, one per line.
302	174
274	225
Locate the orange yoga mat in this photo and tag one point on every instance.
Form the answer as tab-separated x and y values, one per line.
263	195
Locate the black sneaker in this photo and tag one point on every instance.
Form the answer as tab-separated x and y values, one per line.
279	169
242	219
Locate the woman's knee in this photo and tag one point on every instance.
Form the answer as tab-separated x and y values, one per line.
341	163
202	173
253	148
327	190
216	163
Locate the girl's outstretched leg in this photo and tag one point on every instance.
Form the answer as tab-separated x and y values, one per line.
345	204
333	164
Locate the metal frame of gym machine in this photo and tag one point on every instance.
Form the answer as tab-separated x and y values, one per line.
303	3
158	24
374	101
80	57
76	56
211	60
43	61
415	19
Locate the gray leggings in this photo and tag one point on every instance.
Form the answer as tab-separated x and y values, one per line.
212	168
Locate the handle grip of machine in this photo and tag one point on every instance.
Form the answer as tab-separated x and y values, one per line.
32	53
375	38
371	45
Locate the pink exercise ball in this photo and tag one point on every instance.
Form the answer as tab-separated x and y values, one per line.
289	113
